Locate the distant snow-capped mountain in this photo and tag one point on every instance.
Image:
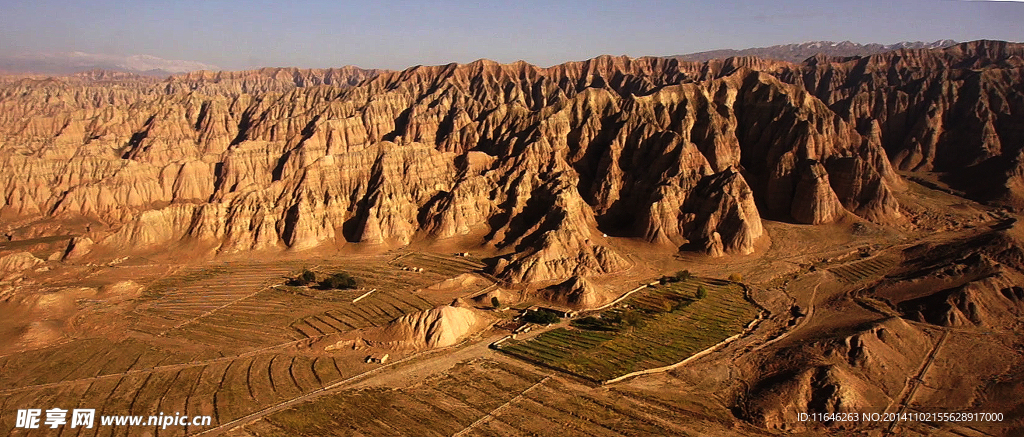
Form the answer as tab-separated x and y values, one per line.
74	62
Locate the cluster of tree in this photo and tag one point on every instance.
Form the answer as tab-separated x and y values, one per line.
336	281
631	318
592	323
685	275
680	276
671	306
304	279
611	321
541	317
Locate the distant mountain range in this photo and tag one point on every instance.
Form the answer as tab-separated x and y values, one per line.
797	53
70	63
66	63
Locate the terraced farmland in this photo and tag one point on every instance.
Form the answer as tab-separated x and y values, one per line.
214	312
193	296
240	305
392	295
860	270
225	388
376	309
479	398
218	339
675	326
444	265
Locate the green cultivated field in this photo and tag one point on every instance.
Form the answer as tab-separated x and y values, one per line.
669	324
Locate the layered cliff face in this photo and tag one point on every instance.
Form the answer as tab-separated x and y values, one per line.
543	162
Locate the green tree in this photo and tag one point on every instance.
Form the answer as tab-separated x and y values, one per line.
495	302
632	318
680	305
683	276
736	277
701	292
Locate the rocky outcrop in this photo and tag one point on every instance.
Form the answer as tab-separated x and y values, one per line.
437	327
120	290
78	248
13	265
726	217
576	292
814	201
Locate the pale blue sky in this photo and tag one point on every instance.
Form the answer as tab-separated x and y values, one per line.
398	34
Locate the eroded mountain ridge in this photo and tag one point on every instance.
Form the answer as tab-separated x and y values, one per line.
542	162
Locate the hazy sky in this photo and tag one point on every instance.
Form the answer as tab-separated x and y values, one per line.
398	34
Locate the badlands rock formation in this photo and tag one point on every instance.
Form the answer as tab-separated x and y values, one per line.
956	110
540	161
12	265
265	80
